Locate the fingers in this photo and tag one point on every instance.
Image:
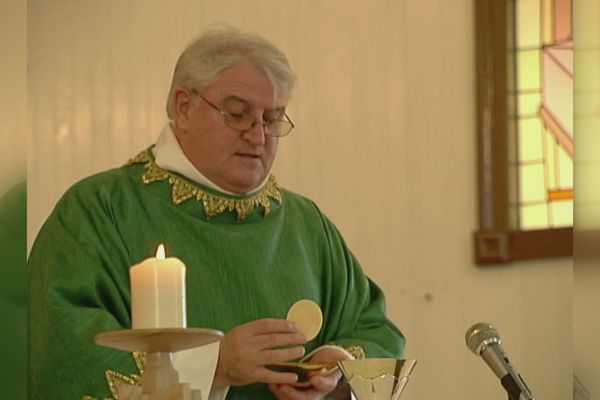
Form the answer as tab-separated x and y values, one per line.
271	377
271	325
319	387
276	390
325	384
248	348
272	340
275	356
286	392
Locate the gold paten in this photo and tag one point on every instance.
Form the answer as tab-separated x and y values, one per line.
357	352
213	204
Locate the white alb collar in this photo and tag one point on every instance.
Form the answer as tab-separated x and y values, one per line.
169	155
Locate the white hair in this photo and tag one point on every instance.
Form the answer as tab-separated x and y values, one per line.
222	47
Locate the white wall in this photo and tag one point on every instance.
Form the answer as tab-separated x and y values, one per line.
385	144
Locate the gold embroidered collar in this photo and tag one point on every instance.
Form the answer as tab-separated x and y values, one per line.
214	204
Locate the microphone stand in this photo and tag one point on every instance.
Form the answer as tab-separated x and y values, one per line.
509	383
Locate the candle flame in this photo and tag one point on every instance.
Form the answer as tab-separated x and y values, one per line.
160	252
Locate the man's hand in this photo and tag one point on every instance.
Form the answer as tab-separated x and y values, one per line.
247	349
320	385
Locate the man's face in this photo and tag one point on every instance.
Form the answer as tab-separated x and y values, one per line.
236	161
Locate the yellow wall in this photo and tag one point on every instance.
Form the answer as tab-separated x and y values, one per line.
385	144
13	97
586	296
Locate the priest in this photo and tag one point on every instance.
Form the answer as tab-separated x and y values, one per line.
251	248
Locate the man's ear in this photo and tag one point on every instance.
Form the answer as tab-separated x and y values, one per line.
182	104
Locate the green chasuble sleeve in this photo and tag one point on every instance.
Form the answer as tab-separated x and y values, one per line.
13	287
354	312
77	288
246	258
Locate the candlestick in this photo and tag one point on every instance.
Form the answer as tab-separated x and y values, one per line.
158	292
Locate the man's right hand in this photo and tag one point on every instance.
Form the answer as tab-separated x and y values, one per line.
247	349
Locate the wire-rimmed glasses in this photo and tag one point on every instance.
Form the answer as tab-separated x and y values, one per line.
244	121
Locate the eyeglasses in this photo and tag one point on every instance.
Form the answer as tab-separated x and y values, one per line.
245	121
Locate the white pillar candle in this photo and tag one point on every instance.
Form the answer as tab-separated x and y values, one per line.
158	292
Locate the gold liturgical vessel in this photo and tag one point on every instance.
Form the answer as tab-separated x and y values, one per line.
377	378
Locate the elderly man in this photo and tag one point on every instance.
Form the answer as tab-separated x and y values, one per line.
251	249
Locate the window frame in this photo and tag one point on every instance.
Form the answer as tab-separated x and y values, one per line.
498	239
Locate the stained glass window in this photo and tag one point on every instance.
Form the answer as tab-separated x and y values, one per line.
544	93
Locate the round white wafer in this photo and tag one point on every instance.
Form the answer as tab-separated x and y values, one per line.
307	315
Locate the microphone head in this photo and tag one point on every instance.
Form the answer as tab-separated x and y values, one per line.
480	336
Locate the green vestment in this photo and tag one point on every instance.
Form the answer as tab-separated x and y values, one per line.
13	293
237	271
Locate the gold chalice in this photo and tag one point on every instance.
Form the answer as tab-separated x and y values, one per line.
377	378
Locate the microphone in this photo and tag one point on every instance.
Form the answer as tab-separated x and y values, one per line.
484	340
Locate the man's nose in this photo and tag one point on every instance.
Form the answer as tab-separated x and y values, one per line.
256	133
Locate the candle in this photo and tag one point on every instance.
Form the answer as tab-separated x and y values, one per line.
158	292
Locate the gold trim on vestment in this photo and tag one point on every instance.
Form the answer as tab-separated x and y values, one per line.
114	379
214	204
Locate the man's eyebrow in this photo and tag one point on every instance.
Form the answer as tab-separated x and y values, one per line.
246	102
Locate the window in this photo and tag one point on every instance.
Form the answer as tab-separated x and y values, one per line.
525	129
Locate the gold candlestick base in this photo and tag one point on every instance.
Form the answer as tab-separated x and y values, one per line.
160	381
